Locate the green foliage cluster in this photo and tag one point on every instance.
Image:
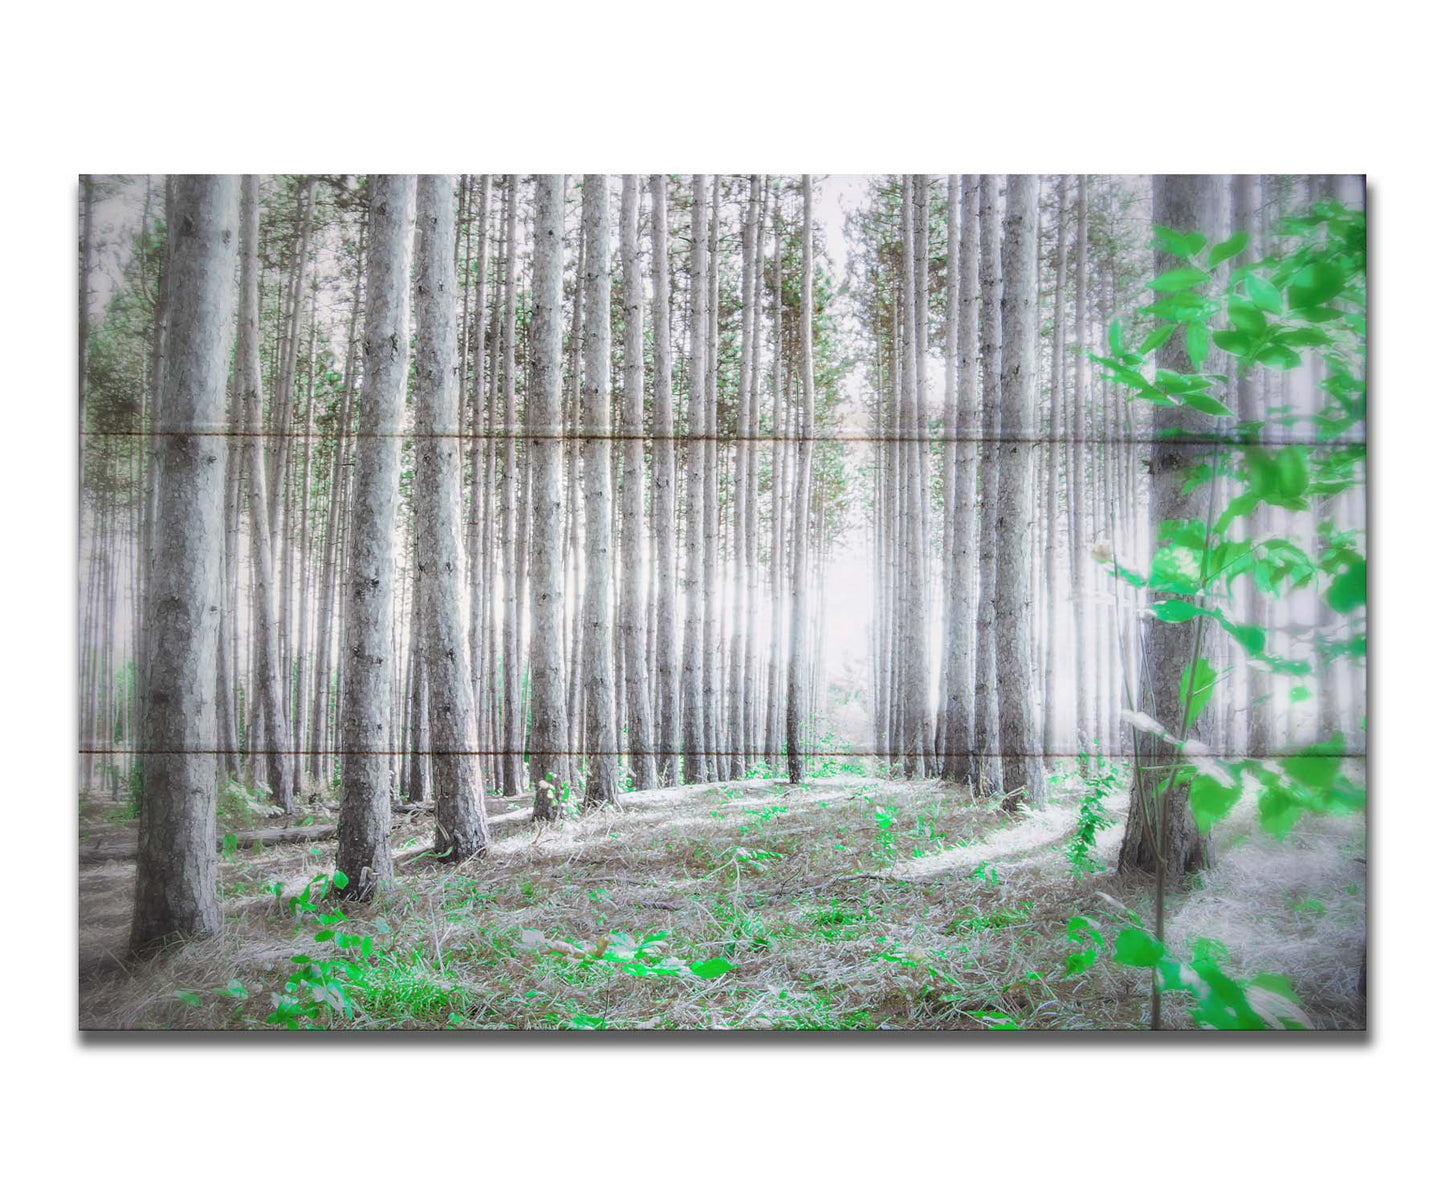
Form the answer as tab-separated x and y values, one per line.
1217	1000
1309	296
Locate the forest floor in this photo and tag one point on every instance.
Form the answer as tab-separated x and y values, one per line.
846	903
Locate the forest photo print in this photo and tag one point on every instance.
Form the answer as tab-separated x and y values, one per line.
722	602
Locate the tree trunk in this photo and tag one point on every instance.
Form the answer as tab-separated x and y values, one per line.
634	470
511	708
272	742
797	638
175	889
962	699
694	764
1018	723
547	669
664	513
600	744
363	850
986	714
456	786
742	495
1182	203
1078	522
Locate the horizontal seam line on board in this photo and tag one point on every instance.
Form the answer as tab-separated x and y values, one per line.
653	752
614	436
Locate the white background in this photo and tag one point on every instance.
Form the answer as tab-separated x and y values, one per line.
645	86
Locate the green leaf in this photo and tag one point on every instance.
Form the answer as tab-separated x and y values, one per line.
1135	947
1252	638
1234	342
1196	342
1314	284
1263	293
1205	676
1211	800
1206	404
1229	248
1157	338
1278	809
1181	246
1276	355
189	998
1241	505
713	967
1316	766
339	880
1347	592
1176	610
1116	343
1176	279
1292	473
1304	336
1247	317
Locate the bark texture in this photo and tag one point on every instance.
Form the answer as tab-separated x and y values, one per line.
269	760
1181	203
1020	763
599	745
545	435
797	632
633	586
363	850
450	700
175	890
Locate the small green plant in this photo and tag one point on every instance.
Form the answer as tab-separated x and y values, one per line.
1099	783
1218	1001
320	986
883	839
641	956
761	816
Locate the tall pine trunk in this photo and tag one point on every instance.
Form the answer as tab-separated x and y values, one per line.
456	785
1018	724
797	637
363	848
175	887
1184	203
272	743
600	742
664	495
546	666
986	713
633	586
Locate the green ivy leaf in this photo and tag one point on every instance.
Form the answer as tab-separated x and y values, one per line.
1316	766
1157	338
1196	342
1234	342
1135	947
1229	248
713	967
1276	355
1176	279
1206	404
1205	676
1314	284
1176	610
1263	293
1347	592
1211	800
1247	317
